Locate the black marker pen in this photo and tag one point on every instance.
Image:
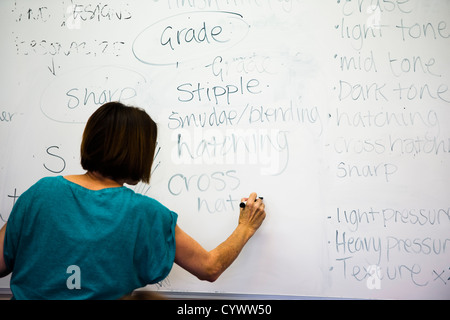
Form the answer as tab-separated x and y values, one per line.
242	204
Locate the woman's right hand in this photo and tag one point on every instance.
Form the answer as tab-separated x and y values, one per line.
253	214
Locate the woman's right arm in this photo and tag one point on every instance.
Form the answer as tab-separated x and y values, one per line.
209	265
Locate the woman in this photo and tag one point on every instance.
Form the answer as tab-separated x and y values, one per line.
90	237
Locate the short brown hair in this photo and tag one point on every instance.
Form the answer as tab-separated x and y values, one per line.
119	142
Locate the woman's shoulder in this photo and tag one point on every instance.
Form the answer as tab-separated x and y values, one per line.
37	192
151	204
49	180
44	184
146	200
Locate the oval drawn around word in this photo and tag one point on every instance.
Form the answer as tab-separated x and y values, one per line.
74	96
188	36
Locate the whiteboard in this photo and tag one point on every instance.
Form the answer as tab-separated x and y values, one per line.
336	112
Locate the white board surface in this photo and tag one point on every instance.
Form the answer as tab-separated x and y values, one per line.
336	112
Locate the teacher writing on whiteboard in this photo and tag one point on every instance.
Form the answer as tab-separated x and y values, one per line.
90	237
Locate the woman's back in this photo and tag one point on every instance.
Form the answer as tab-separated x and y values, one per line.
65	241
